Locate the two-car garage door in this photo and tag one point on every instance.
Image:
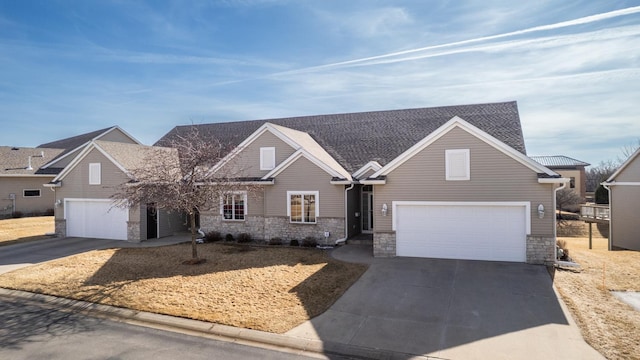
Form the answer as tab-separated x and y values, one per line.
472	231
95	219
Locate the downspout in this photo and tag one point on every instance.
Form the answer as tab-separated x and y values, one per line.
555	227
606	186
346	216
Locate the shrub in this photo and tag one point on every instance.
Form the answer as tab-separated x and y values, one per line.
275	241
309	242
17	214
48	212
229	237
212	236
294	242
244	238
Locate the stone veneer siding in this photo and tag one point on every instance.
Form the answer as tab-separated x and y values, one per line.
384	244
265	228
133	231
541	249
61	228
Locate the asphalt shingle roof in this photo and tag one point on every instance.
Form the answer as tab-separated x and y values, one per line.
15	160
71	143
556	161
354	139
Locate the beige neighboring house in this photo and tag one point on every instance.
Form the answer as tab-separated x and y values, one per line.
83	191
21	181
624	204
448	182
569	168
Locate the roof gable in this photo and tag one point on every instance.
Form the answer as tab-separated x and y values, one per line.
628	164
454	123
335	171
354	139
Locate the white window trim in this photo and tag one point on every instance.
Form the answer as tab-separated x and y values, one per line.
448	169
317	212
25	190
267	153
244	198
95	174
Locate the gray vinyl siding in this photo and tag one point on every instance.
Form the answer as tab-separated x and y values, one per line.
631	173
26	205
117	136
76	183
624	216
495	177
63	162
304	175
247	162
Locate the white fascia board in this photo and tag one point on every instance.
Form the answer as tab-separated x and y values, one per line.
622	183
70	153
213	183
26	175
373	182
341	182
473	130
53	185
92	145
250	139
294	157
553	180
371	165
623	166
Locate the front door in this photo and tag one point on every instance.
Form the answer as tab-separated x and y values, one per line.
367	209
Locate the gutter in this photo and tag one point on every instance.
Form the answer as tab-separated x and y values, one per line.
606	186
555	228
346	217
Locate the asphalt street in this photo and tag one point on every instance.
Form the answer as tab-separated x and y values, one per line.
31	330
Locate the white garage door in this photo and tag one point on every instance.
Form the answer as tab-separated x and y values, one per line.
471	231
95	219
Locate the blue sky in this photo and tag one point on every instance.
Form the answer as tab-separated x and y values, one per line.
68	67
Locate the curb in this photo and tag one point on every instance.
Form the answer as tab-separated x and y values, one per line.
223	332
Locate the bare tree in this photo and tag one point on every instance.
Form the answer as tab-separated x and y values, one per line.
628	150
566	198
180	178
597	174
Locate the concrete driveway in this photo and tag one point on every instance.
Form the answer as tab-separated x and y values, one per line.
451	309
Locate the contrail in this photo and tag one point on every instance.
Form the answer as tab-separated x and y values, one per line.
563	24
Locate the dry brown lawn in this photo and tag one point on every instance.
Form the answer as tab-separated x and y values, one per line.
24	229
611	326
265	288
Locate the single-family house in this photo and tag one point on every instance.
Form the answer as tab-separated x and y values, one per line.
569	168
84	189
443	182
624	204
21	189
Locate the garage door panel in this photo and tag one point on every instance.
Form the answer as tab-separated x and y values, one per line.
478	232
96	219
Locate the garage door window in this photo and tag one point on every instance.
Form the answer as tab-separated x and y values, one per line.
302	206
457	164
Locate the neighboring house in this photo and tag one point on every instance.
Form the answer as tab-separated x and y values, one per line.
446	182
624	204
83	190
21	189
567	168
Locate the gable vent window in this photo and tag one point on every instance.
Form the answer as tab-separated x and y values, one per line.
457	165
31	193
95	176
267	158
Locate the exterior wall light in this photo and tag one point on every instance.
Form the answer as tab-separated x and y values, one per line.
541	211
384	209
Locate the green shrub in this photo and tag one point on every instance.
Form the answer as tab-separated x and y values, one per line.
275	241
294	242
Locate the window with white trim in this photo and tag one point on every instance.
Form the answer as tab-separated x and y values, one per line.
95	174
267	158
31	193
457	164
234	206
303	207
